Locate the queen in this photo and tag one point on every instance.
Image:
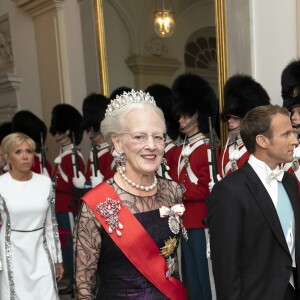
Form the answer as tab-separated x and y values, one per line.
127	232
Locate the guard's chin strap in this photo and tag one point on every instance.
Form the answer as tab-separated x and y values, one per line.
190	123
234	133
233	129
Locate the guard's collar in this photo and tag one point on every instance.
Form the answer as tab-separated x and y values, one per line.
193	138
67	147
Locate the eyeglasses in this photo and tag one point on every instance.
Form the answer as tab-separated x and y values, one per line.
159	138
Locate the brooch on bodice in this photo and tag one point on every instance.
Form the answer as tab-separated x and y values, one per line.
173	214
109	210
167	250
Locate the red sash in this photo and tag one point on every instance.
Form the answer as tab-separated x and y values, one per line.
136	244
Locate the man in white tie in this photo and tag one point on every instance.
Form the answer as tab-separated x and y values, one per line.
254	219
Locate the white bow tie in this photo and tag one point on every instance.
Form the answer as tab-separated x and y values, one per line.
275	174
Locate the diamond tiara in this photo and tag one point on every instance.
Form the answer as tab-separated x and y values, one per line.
128	98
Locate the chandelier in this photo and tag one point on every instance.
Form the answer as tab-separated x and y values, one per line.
164	24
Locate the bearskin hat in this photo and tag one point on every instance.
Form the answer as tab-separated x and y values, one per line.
66	119
5	129
119	91
27	122
93	111
163	98
241	94
191	94
290	84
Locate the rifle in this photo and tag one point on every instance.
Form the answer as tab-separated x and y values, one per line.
43	154
77	193
76	167
213	165
95	153
163	167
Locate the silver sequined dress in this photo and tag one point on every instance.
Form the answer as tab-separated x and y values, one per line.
29	242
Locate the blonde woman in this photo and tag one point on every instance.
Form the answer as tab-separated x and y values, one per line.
29	243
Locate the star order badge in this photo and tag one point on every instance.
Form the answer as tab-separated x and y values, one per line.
169	247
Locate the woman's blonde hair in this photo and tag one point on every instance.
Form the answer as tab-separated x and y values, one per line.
13	140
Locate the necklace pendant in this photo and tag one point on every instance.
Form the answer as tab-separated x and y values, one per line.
295	165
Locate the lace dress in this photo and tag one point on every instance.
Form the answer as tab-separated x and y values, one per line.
102	271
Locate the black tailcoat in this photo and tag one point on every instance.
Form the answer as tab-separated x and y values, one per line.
250	256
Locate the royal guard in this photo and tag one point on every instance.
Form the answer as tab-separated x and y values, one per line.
5	129
66	129
163	98
27	122
194	101
290	90
100	165
241	94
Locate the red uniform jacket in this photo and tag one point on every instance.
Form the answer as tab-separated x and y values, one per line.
36	167
63	174
227	158
193	174
170	147
294	169
106	162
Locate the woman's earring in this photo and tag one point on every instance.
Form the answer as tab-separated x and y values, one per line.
121	160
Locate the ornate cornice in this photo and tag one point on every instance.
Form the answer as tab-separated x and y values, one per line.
154	65
38	7
9	81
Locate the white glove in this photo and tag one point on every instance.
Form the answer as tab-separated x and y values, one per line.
45	172
80	181
95	180
208	246
212	183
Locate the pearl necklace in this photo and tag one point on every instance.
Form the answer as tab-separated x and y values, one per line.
146	188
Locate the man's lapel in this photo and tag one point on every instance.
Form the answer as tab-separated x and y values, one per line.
266	205
293	193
